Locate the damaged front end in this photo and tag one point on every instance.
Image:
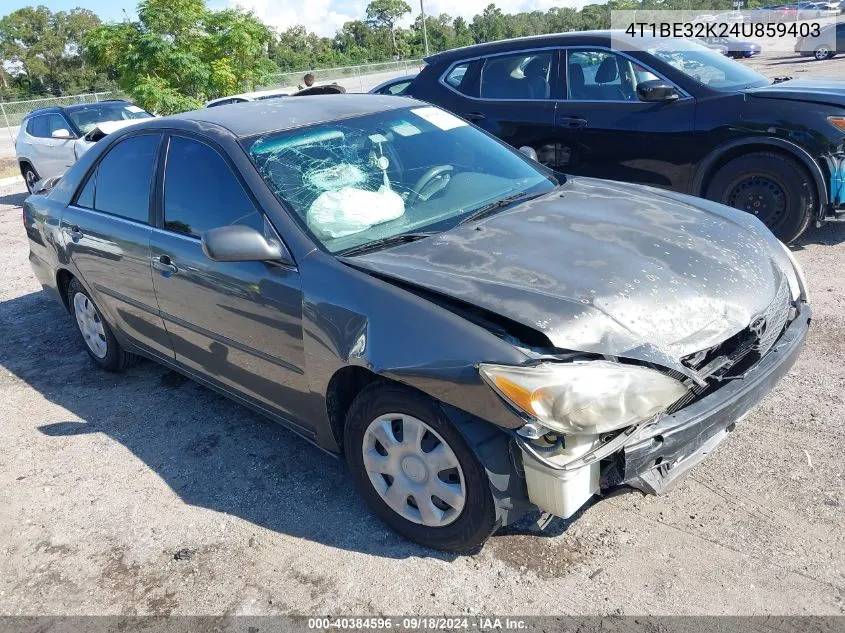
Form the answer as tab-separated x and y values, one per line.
563	471
836	168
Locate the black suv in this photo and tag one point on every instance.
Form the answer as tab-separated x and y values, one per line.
668	113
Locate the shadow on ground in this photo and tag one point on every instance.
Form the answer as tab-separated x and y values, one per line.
13	199
829	235
212	452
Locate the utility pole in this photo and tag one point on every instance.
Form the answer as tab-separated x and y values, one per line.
425	31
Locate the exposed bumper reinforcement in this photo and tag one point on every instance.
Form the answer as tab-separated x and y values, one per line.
658	456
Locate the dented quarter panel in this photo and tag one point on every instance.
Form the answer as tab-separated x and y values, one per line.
605	268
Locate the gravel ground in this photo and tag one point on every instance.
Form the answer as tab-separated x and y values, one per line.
788	64
145	493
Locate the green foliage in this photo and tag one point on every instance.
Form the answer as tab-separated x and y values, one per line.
386	13
42	50
179	53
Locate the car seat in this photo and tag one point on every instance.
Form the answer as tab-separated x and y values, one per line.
607	73
575	78
536	73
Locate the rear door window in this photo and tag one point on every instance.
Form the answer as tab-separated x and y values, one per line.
44	125
524	75
124	178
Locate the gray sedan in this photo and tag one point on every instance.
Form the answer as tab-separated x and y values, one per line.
479	336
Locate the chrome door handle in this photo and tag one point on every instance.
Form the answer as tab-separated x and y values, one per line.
165	265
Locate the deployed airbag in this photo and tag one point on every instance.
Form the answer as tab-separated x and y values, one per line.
351	210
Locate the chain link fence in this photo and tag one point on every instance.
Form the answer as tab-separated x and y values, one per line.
12	112
359	78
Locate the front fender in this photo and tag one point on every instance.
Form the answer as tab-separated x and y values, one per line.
351	318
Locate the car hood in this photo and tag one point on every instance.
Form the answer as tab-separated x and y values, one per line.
606	268
830	91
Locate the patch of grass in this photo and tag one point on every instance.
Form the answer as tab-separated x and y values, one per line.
9	167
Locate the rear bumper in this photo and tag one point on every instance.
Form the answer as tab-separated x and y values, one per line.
658	456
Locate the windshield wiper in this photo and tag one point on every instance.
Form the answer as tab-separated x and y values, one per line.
401	238
491	208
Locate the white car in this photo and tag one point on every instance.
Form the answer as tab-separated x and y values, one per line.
51	139
84	143
246	96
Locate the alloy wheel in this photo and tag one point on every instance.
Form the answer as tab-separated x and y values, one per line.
414	470
822	52
30	179
90	325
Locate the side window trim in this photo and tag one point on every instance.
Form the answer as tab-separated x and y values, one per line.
483	58
567	49
91	176
94	169
159	216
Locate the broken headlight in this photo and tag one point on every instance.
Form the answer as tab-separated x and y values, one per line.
586	397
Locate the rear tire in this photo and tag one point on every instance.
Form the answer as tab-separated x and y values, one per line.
100	343
822	53
462	531
30	177
775	188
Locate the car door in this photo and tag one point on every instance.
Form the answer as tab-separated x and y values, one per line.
106	231
509	95
51	156
237	324
605	131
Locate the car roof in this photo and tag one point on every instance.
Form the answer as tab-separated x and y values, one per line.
75	107
533	41
271	115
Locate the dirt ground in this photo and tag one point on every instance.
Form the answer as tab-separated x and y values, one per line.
9	167
787	64
144	493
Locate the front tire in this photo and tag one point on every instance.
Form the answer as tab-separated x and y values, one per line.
771	186
416	471
100	343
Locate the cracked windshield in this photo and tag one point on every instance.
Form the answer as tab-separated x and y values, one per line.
376	177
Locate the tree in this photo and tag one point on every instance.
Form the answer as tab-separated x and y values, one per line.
179	53
386	13
489	26
43	49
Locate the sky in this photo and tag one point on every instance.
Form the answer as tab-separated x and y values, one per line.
323	17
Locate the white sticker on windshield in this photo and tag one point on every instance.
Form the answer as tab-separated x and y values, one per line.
134	108
439	118
403	128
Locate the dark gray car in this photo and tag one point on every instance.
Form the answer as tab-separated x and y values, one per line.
478	335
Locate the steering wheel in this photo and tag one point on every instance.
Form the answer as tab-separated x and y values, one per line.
432	181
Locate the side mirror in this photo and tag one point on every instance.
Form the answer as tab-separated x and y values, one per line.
530	152
62	134
242	244
656	90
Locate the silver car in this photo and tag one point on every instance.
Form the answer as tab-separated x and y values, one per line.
48	141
